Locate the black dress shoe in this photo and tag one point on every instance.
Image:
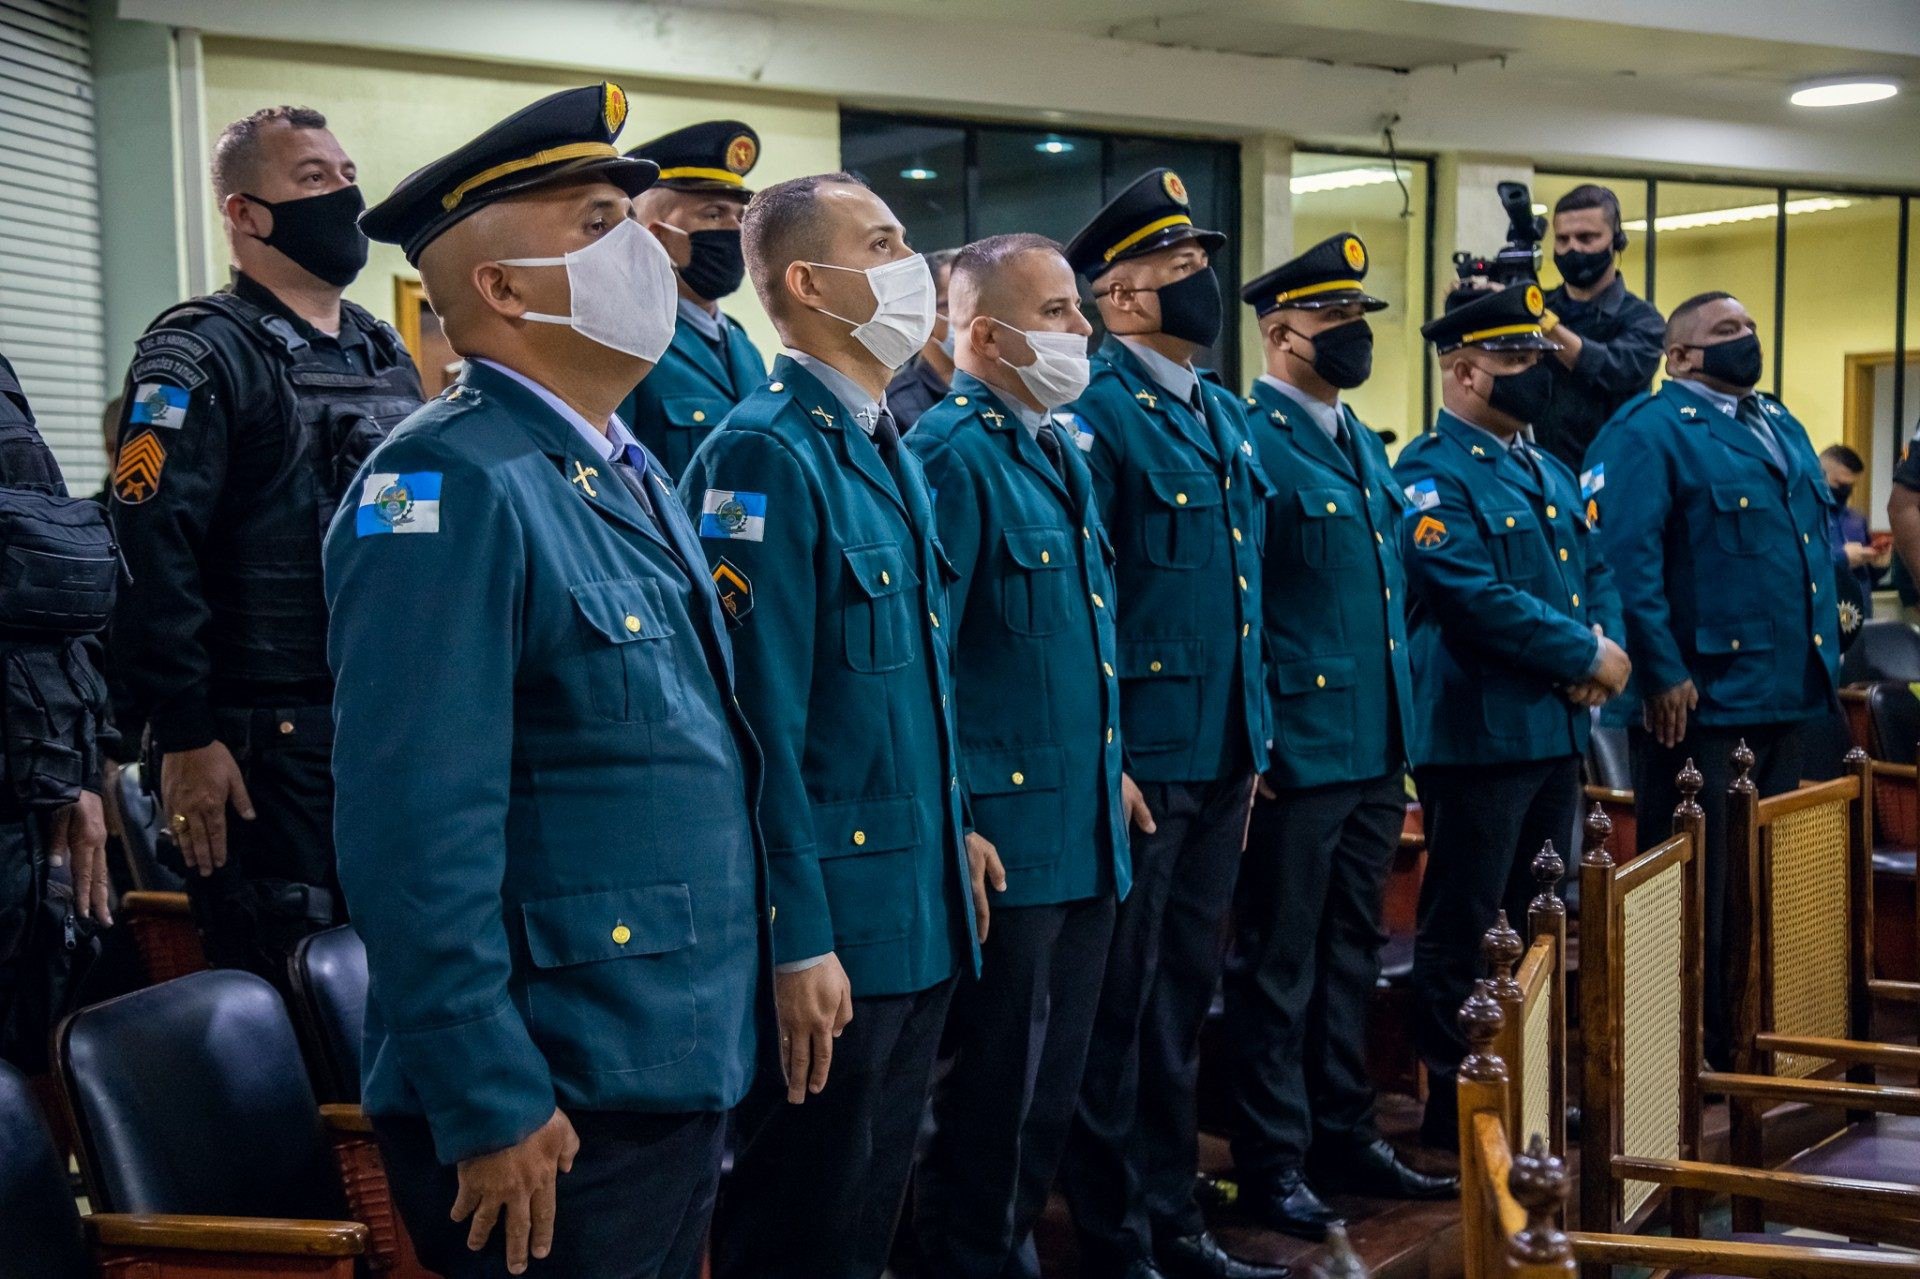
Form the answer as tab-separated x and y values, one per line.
1201	1257
1288	1204
1375	1170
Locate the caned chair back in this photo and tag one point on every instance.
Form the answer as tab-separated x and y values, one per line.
1640	982
1800	912
1531	986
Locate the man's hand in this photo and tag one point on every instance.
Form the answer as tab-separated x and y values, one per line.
110	799
1614	669
983	861
1133	807
1587	693
519	1181
814	1005
196	788
77	835
1665	714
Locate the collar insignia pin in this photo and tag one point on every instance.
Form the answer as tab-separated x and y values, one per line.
1151	400
826	418
580	473
992	416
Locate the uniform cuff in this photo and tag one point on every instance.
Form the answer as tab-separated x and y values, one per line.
802	920
483	1084
801	965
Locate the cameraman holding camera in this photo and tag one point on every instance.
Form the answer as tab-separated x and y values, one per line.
1610	340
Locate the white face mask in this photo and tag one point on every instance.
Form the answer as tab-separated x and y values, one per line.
623	291
902	311
1059	373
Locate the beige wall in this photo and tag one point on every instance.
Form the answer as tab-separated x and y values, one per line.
394	113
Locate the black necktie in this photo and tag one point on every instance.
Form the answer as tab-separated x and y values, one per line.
886	440
1050	445
631	468
1747	411
1524	456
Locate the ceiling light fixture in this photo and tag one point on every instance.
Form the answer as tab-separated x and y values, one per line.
1339	180
1744	213
1053	144
918	175
1842	93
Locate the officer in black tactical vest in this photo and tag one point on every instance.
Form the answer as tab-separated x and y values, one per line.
247	412
54	598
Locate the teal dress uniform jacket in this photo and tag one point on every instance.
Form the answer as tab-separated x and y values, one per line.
690	391
1506	585
1721	556
544	814
841	600
1182	498
1039	706
1335	598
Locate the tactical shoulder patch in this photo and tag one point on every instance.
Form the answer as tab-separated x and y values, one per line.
157	404
171	355
392	502
137	468
731	516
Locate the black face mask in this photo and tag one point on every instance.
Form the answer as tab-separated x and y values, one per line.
1343	355
717	266
1190	308
1524	395
1736	362
1583	270
320	233
1842	493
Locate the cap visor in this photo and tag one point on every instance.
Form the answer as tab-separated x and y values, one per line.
1345	297
1211	241
1518	342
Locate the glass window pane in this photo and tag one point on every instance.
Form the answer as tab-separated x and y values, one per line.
1632	194
1716	238
1338	193
918	169
1044	182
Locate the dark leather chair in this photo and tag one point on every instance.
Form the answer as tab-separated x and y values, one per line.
1893	727
1894	715
40	1233
1886	649
329	981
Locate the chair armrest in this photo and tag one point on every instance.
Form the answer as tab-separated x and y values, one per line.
1863	1052
153	903
1851	1196
1757	1260
1609	795
1881	988
1886	1099
275	1236
1905	772
347	1117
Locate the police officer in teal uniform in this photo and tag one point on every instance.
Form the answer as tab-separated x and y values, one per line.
1328	821
1713	511
566	918
819	531
1512	624
1031	610
1182	494
695	211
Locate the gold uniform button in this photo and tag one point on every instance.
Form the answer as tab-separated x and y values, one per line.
286	726
1236	535
1108	668
1509	521
1109	734
886	578
1180	499
1389	592
1576	600
1243	583
699	415
1819	641
1392	645
1019	779
859	838
1563	555
1086	532
935	619
1805	538
1736	646
773	913
1229	483
776	386
1319	681
1379	539
1743	502
622	934
1046	557
961	400
1245	628
633	623
1153	666
1815	586
1552	511
1332	507
1097	601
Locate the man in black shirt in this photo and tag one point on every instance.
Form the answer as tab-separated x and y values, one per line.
246	413
924	380
1610	340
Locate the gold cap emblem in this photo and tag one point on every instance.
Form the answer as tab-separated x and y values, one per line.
614	108
741	153
1176	189
1356	253
1535	302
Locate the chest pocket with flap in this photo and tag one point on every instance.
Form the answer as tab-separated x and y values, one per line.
878	618
1038	583
625	640
1177	525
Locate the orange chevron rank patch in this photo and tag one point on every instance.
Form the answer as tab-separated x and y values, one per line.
735	590
136	475
1429	533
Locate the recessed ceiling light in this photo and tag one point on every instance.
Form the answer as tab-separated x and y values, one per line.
918	175
1339	180
1053	144
1843	93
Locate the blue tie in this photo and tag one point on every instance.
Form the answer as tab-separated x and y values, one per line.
631	467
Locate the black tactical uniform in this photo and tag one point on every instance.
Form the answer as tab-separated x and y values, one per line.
242	427
56	590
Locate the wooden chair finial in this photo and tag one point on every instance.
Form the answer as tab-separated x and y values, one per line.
1690	783
1743	760
1599	832
1480	1020
1540	1183
1503	948
1856	757
1548	870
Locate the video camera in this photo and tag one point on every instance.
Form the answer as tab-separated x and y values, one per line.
1518	261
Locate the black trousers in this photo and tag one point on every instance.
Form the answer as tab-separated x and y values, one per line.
1778	756
280	882
635	1206
1129	1167
1003	1110
1300	981
816	1188
1484	825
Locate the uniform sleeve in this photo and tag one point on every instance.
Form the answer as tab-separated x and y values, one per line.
179	410
1601	593
1623	365
1633	508
957	515
773	658
422	850
1108	454
1452	572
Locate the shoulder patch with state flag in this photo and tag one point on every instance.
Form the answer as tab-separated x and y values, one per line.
733	516
396	502
1424	495
1591	482
157	404
1076	429
1429	534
